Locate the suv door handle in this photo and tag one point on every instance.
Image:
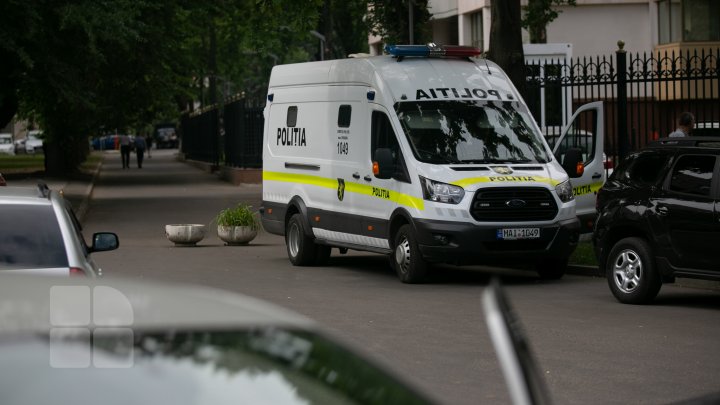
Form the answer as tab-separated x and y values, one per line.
356	175
596	175
662	211
367	178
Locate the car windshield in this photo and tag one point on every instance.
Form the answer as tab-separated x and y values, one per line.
26	230
456	132
263	365
5	141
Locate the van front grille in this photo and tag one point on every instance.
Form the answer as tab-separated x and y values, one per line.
513	205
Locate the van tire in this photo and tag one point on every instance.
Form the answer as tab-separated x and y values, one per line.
406	259
552	269
300	248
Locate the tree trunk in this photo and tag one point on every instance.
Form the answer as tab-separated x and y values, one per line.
506	41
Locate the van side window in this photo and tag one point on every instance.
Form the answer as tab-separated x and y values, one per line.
344	114
292	116
382	134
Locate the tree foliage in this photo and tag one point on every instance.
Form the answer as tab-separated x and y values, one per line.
389	20
84	67
540	13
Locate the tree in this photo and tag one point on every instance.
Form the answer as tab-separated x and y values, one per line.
342	23
389	19
538	14
85	67
506	40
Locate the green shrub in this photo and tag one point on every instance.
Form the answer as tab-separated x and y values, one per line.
241	215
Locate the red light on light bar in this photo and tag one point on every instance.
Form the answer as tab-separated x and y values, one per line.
433	51
461	51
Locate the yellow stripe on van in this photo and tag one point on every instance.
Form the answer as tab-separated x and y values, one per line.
506	179
301	179
350	187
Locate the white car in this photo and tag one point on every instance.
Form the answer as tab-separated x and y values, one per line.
6	144
33	143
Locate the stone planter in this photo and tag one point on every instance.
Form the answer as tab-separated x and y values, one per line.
185	234
236	235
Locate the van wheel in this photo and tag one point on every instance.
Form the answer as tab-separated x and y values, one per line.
407	260
552	269
631	272
300	248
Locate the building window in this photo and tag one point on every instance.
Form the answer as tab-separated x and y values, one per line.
688	20
476	30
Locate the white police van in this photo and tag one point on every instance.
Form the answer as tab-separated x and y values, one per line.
426	155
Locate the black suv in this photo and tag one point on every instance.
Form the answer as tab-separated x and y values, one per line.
659	217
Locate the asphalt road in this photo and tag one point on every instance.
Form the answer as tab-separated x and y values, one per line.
591	349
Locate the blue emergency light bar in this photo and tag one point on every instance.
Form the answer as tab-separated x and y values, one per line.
432	51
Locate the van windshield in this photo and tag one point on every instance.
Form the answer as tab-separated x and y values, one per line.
454	132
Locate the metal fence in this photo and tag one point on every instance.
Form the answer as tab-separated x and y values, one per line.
643	94
231	136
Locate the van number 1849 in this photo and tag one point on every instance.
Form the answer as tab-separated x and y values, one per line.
342	148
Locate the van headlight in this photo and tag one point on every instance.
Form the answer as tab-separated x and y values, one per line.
564	190
441	192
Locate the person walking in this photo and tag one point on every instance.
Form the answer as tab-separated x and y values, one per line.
140	147
686	123
125	151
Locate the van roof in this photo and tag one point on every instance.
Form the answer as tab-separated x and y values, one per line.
412	78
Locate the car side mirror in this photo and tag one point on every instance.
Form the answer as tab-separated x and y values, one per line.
104	241
573	163
383	164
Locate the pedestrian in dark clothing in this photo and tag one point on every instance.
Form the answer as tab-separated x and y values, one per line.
140	147
125	151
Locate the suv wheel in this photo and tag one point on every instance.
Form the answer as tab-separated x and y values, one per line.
631	272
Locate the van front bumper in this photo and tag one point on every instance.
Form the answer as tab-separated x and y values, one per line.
467	243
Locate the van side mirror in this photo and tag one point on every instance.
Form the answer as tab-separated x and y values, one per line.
383	164
573	163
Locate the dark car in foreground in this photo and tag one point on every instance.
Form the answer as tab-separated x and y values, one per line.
659	218
39	233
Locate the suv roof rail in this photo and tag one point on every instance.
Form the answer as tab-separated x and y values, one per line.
709	141
44	190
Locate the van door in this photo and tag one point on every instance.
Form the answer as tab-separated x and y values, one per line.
586	132
377	198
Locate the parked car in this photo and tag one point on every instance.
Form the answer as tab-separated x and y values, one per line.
6	144
658	218
34	142
19	146
39	233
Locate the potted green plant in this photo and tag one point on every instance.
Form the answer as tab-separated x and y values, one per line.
238	225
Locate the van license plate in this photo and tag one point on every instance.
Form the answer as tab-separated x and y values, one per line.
518	233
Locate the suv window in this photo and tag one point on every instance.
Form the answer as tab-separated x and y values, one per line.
692	174
26	230
643	169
